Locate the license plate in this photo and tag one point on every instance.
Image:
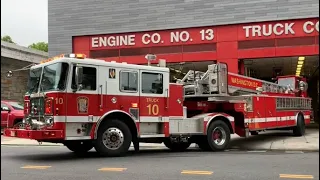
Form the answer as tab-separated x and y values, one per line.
12	133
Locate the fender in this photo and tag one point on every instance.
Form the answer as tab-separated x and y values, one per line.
105	115
215	115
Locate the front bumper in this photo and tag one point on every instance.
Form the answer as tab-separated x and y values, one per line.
34	134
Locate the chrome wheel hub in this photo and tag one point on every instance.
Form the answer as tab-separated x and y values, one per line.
219	136
113	138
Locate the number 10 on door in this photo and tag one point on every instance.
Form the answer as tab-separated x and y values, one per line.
153	109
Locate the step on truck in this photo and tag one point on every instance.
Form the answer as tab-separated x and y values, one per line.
88	103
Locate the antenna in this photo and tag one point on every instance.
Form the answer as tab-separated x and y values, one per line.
10	73
150	57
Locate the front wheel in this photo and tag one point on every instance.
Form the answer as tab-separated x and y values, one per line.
218	135
113	139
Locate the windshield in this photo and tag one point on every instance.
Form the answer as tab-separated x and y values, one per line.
34	79
16	105
287	82
54	77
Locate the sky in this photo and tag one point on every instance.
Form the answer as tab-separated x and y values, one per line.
26	21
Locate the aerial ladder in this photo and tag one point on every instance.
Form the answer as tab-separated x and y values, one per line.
218	82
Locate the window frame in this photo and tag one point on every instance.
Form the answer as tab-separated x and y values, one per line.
155	73
84	66
120	84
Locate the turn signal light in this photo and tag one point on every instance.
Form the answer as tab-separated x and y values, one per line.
49	106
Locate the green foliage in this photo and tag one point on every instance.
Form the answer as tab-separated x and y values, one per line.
41	46
7	38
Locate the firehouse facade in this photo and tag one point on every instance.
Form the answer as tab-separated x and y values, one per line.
226	43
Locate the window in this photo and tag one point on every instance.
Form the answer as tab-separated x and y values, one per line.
152	83
128	81
16	105
4	107
89	79
54	77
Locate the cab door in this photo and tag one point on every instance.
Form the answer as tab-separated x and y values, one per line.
154	96
83	104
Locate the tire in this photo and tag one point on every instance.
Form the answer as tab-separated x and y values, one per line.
178	147
299	130
203	144
79	147
214	129
18	125
119	132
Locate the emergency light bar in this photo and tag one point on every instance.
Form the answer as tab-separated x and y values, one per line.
78	56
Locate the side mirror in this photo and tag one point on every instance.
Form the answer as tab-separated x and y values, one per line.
5	109
78	77
9	74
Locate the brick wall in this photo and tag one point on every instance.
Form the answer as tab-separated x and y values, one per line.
13	88
82	17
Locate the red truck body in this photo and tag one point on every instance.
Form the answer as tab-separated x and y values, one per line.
85	103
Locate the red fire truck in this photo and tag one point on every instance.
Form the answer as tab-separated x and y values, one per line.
85	103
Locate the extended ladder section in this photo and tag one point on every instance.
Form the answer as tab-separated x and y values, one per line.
217	81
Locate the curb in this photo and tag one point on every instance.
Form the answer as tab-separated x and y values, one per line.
37	145
275	150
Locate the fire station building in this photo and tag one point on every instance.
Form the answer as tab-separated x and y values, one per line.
257	38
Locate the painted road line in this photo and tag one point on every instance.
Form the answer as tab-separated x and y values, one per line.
257	151
35	167
294	152
197	172
112	169
295	176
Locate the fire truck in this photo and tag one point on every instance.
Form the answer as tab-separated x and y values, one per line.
88	103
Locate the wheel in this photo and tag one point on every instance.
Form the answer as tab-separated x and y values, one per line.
113	139
218	135
203	144
253	133
18	125
299	130
79	147
173	146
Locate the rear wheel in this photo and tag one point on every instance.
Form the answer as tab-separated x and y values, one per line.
113	139
79	147
218	135
299	129
177	146
203	144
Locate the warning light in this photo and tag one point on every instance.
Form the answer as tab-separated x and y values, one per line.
78	56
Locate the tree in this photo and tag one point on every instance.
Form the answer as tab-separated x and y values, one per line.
7	38
41	46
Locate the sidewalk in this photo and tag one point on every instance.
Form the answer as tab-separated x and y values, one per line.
273	140
278	140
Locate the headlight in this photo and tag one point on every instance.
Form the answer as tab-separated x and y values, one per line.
49	121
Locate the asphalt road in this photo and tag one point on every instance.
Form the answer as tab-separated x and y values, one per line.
57	163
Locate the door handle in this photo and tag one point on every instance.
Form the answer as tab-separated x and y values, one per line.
167	98
101	97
